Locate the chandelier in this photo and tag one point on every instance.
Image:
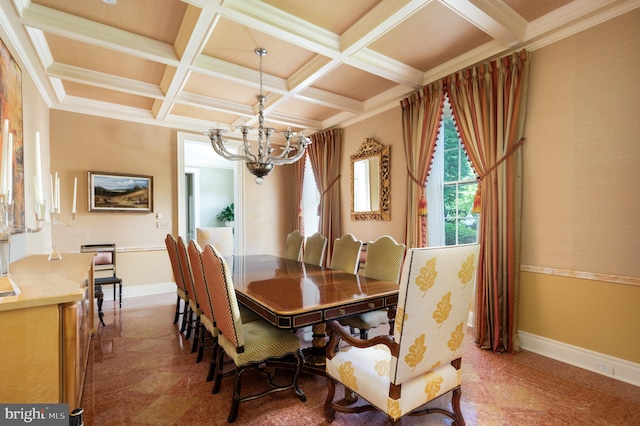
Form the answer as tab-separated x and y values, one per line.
261	163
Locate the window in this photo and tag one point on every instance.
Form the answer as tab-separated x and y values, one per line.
310	199
451	186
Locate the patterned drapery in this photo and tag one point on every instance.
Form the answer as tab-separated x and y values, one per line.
489	105
421	114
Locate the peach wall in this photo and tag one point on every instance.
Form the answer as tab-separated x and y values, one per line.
81	143
385	128
581	191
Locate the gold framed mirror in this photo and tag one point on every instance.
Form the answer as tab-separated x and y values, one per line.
370	182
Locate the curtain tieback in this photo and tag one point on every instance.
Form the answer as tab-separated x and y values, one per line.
422	202
477	198
330	186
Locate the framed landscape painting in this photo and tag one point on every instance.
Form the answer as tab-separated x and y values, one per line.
116	192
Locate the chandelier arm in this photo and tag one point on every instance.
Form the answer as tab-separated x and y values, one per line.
226	154
287	160
247	148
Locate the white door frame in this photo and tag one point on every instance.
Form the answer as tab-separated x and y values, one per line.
238	190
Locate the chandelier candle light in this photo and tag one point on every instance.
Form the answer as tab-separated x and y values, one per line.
261	163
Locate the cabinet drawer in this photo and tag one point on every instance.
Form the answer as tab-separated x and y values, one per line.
356	308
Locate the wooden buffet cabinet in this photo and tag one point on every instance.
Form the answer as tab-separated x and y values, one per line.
45	330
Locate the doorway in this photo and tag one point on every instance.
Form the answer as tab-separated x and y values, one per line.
207	184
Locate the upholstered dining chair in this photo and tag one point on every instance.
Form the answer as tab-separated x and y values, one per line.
383	262
193	316
293	246
314	249
249	345
207	320
181	290
346	254
399	374
221	238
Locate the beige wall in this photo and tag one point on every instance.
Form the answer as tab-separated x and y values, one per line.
384	128
581	188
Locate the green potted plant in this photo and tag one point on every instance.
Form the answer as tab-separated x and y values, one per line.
226	216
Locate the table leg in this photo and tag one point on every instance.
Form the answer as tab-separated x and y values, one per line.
317	356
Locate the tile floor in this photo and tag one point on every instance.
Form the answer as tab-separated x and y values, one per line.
141	372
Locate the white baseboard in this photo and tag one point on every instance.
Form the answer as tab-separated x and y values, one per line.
619	369
140	290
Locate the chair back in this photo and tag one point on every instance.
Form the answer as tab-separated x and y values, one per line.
223	297
314	249
293	246
187	274
433	308
105	259
384	259
221	238
346	254
172	249
202	292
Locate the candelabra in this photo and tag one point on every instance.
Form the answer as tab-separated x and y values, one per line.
6	227
54	215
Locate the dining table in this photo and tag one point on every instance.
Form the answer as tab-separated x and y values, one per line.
291	294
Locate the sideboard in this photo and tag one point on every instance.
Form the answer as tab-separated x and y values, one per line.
46	328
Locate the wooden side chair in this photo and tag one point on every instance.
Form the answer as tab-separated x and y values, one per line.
249	345
293	246
346	254
399	374
314	249
193	316
105	272
181	290
207	320
383	262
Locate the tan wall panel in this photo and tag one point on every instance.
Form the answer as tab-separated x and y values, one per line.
144	267
385	128
594	315
81	143
580	159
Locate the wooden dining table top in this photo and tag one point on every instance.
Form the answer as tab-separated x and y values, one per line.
292	294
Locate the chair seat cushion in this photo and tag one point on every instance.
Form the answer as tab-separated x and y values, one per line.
107	280
261	341
366	372
367	320
181	294
208	324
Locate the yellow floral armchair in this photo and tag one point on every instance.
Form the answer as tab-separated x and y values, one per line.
399	374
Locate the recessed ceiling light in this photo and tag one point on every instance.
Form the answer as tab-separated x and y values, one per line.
110	1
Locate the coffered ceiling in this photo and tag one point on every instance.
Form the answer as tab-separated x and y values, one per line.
190	64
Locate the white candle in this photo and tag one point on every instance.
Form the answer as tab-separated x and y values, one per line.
52	196
10	168
39	194
3	165
75	192
57	193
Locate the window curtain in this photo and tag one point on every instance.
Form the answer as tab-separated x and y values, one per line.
421	116
435	196
299	177
489	105
324	155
